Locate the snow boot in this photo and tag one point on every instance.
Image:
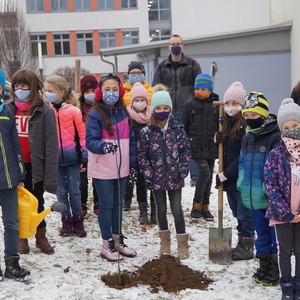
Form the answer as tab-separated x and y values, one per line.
183	246
165	242
264	267
237	245
196	210
67	225
205	213
14	271
78	228
41	241
296	281
143	213
287	288
23	246
109	252
245	250
153	216
122	247
273	274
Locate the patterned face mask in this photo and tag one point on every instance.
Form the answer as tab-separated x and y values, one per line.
110	97
202	95
293	133
232	110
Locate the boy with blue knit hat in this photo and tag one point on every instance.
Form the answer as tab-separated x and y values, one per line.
201	124
262	135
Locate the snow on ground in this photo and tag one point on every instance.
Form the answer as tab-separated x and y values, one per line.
82	255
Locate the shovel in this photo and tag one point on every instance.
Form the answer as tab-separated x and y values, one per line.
220	238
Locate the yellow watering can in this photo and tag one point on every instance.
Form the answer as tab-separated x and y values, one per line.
29	218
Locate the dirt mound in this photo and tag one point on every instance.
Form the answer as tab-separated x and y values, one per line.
165	272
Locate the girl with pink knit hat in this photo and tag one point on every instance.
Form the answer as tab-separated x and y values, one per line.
233	131
140	113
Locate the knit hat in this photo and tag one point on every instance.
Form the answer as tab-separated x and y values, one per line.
2	79
235	92
138	90
136	65
256	102
288	110
161	98
204	80
88	82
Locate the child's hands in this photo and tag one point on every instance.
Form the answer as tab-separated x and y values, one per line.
218	137
219	179
110	148
296	218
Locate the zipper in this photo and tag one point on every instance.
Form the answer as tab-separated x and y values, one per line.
5	163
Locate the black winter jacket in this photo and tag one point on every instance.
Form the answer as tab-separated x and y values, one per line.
179	80
201	122
295	96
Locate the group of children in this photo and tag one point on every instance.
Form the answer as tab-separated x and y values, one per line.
119	146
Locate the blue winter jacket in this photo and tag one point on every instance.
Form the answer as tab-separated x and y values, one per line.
254	153
11	164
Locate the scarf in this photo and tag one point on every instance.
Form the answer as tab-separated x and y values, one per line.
293	147
139	117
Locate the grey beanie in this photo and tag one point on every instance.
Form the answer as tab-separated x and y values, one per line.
288	110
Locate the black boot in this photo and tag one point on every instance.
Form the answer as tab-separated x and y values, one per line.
143	213
287	288
205	213
13	269
153	217
273	275
128	197
237	245
297	288
264	267
245	251
196	210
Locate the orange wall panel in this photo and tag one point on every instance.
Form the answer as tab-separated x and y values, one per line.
70	5
50	45
96	42
94	4
117	4
47	6
118	37
73	43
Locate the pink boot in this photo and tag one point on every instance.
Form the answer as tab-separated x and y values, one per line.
122	247
109	251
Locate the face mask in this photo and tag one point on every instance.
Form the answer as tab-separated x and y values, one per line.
232	110
175	50
22	95
293	133
255	123
89	98
51	97
202	95
110	97
133	78
22	106
161	116
140	106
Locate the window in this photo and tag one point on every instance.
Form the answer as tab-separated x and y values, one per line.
34	40
35	5
130	37
61	44
159	10
128	4
82	4
84	43
107	39
159	34
105	4
59	5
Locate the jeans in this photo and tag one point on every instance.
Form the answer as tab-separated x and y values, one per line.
203	186
110	194
9	203
68	192
84	184
243	215
194	172
176	208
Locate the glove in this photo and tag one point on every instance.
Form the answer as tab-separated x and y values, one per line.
133	173
219	179
110	148
218	137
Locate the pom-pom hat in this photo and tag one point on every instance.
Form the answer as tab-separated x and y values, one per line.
288	110
138	90
235	92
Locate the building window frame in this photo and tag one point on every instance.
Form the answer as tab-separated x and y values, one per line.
107	4
159	34
59	5
63	43
107	39
158	8
129	4
36	38
83	5
130	36
84	39
37	5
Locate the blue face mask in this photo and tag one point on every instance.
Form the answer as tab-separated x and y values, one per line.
89	98
22	95
176	50
51	97
110	97
133	78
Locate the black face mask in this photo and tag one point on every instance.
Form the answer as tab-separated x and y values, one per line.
255	123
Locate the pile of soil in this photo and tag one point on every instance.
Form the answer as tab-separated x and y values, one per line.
165	272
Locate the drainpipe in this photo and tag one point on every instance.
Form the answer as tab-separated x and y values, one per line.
147	59
108	62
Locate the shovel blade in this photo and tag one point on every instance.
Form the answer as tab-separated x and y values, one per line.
220	245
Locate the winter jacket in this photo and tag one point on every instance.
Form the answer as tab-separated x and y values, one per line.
164	158
277	175
179	80
231	156
43	145
128	88
110	166
11	166
295	96
254	153
201	122
71	135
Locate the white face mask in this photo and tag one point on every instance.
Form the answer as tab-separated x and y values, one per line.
140	106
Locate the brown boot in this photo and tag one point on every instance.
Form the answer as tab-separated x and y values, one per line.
41	241
183	247
23	246
165	242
